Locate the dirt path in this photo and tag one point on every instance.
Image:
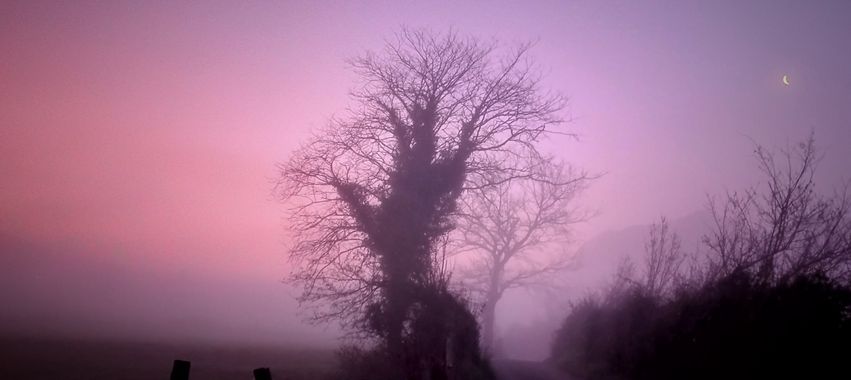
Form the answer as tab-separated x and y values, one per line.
525	370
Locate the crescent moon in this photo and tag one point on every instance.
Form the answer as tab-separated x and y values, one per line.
786	80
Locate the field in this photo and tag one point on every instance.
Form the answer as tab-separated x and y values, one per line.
71	359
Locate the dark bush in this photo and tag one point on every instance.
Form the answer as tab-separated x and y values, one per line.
732	328
441	341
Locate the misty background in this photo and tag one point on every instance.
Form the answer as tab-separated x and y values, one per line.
138	142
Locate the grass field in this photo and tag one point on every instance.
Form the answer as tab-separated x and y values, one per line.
72	359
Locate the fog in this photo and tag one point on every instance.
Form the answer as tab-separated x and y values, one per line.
531	316
139	142
68	294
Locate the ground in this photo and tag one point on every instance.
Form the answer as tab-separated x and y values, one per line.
526	370
72	359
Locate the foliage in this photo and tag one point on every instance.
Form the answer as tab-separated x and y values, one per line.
771	300
441	320
734	327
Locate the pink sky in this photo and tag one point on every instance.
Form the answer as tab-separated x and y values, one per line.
148	132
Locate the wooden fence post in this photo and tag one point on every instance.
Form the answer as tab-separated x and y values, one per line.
262	374
180	370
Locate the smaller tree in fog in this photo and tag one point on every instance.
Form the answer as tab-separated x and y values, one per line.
662	268
663	261
511	230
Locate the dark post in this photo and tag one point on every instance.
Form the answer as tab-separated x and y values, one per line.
262	374
450	357
180	370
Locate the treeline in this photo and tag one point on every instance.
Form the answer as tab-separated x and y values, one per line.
767	296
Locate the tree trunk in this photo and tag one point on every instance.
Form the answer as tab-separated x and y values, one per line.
395	317
489	314
488	319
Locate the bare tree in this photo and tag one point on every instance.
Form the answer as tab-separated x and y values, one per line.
784	228
661	270
509	232
664	259
375	191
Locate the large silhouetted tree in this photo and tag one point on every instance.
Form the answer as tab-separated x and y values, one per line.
374	191
514	232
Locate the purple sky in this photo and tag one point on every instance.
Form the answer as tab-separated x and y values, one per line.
143	136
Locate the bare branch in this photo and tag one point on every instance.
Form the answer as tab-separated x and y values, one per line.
372	194
784	229
510	225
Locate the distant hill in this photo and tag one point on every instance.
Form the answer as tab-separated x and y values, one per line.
597	261
600	256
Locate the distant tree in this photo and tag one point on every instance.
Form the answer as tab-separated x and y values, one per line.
374	192
509	232
662	269
663	261
783	228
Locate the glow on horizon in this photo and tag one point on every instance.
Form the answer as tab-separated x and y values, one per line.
150	131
